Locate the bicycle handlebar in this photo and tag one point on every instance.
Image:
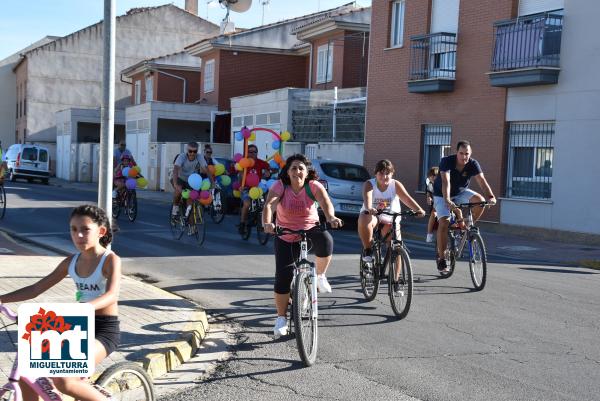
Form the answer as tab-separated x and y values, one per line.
473	204
408	212
284	231
8	313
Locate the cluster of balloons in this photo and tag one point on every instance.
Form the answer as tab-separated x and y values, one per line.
253	181
200	187
133	178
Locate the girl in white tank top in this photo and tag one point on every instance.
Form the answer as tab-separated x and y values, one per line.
96	272
387	200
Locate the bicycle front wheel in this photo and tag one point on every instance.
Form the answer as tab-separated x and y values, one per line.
199	223
131	206
217	211
127	381
116	207
400	282
2	201
263	237
176	223
305	321
477	261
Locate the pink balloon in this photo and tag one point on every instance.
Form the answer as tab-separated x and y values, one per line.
194	195
204	195
237	157
246	132
252	180
236	185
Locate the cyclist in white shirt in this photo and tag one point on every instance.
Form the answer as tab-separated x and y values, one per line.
382	193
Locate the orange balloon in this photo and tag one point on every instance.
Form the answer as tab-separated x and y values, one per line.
211	169
132	173
206	201
250	162
278	158
282	164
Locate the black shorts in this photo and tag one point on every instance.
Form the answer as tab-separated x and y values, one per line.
183	184
108	332
286	254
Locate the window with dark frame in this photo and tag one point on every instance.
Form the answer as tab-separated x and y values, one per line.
530	160
436	144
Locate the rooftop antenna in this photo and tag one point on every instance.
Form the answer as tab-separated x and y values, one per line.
264	3
238	6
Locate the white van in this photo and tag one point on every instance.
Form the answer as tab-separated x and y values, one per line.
28	162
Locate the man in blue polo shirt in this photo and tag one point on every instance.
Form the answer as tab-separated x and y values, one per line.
451	187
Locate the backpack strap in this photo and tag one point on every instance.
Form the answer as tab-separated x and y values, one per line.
309	192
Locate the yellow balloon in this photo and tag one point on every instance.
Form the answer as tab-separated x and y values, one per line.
237	193
142	182
238	167
254	192
252	136
219	169
285	136
137	169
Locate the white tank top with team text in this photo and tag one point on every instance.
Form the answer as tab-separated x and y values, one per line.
386	200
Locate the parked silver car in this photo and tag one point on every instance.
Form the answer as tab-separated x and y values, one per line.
344	183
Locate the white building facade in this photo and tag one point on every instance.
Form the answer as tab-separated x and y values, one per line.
554	131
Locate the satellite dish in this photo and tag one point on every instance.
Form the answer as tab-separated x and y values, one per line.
238	6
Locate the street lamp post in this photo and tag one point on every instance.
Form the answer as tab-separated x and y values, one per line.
108	109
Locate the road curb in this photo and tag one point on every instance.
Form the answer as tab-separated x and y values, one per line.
38	244
176	353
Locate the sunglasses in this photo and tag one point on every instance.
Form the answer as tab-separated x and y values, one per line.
208	152
252	151
193	151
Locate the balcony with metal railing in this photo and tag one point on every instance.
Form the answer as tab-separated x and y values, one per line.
432	63
527	51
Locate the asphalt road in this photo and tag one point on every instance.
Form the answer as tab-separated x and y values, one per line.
532	334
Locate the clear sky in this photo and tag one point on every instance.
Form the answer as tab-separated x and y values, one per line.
23	22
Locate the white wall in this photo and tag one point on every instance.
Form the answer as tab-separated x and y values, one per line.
574	103
68	72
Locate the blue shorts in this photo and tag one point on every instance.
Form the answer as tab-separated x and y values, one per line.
245	195
440	204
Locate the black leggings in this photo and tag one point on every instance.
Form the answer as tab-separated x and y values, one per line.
286	253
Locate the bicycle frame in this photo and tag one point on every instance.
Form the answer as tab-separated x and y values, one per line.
464	236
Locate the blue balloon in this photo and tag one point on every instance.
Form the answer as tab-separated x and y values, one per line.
195	181
125	172
275	144
271	182
239	136
273	164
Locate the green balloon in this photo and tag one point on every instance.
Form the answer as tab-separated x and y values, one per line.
185	194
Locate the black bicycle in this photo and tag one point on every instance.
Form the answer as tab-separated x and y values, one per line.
399	277
126	199
458	238
304	311
255	220
194	223
2	201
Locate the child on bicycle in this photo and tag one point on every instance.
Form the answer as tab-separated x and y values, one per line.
95	267
431	224
381	192
119	179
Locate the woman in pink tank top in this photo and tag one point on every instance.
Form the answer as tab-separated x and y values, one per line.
293	197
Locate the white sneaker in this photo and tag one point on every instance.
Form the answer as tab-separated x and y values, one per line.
323	284
429	237
175	210
281	327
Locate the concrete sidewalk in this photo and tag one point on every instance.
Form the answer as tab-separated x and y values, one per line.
158	329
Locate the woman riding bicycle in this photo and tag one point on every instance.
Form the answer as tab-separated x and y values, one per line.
96	272
382	192
294	197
